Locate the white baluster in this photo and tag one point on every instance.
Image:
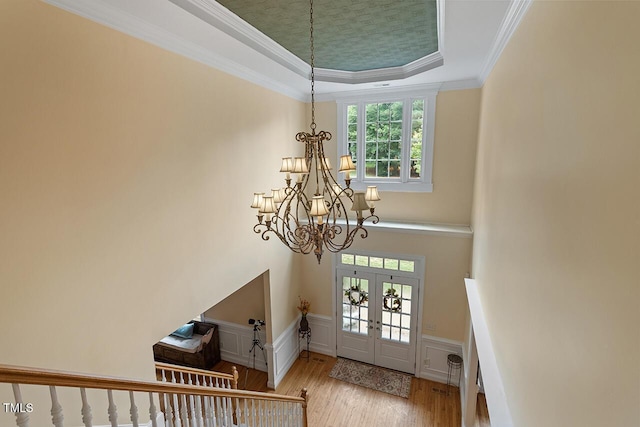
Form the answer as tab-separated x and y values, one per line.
183	407
22	417
219	412
168	411
207	412
212	408
270	414
225	411
191	404
261	412
153	412
199	420
133	410
253	413
113	411
86	409
56	409
245	416
177	421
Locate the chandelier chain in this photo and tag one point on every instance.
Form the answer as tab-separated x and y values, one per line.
306	223
313	106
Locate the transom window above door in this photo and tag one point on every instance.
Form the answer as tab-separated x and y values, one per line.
406	265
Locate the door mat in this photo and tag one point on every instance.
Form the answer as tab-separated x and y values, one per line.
373	377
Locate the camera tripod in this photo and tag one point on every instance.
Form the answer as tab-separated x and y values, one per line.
256	343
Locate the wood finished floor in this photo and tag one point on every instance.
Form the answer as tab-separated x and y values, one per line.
334	403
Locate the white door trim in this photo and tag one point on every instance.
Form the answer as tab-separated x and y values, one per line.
419	274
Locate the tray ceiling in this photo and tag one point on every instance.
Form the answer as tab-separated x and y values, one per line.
348	35
470	37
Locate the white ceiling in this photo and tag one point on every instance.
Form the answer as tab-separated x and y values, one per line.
474	35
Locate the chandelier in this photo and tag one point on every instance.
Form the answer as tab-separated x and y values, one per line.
321	221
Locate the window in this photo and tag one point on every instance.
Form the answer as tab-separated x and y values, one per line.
390	140
378	262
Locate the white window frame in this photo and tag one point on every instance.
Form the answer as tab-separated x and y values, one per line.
404	183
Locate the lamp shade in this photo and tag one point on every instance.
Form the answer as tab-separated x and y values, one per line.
276	194
257	200
283	194
268	206
346	163
318	206
324	164
372	194
359	202
300	165
287	164
337	189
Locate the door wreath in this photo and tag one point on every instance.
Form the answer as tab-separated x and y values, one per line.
392	301
362	296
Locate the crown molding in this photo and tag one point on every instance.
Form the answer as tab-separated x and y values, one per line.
461	85
226	21
218	16
122	21
382	74
392	91
508	26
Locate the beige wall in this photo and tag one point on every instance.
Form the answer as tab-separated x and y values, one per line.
447	258
447	263
126	172
556	215
456	134
246	303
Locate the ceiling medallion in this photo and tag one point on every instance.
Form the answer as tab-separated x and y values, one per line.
306	224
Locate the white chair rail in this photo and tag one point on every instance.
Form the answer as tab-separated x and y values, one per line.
190	399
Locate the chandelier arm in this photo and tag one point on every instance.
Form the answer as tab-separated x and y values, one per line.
291	220
347	242
289	242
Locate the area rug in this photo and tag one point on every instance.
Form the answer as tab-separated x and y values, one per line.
373	377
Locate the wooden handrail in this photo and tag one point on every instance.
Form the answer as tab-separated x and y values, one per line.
233	378
188	370
34	376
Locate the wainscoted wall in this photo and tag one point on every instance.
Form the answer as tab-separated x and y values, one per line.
433	363
236	341
323	334
432	354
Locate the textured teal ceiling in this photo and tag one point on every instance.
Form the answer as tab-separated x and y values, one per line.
349	35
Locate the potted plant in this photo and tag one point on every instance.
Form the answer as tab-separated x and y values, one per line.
304	307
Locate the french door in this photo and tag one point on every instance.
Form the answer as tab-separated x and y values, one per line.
377	317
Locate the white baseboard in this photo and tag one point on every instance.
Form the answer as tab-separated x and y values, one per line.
235	343
435	350
323	340
323	334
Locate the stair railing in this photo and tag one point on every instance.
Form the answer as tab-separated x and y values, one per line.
182	405
186	375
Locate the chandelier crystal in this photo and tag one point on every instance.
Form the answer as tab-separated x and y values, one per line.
312	223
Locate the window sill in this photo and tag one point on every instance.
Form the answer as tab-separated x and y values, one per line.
397	187
452	230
